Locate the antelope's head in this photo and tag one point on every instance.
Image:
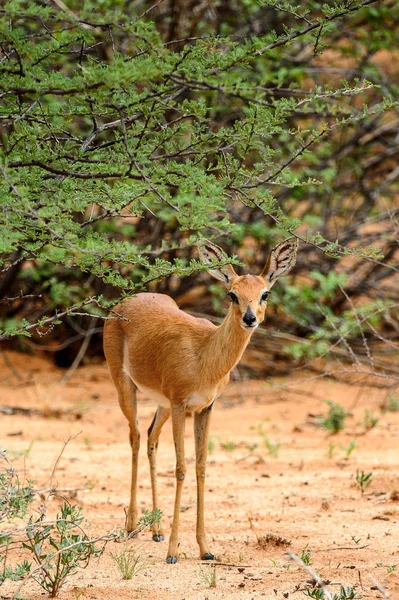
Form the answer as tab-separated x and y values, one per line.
248	293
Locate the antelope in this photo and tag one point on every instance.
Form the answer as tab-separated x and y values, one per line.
183	363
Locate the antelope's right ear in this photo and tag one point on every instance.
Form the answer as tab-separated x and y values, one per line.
209	253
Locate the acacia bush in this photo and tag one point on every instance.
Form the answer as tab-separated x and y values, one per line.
131	130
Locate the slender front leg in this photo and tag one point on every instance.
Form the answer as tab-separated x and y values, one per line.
178	422
160	418
201	432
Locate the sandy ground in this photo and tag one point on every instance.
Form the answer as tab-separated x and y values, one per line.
302	489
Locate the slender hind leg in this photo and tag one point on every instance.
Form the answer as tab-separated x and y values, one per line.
128	403
160	418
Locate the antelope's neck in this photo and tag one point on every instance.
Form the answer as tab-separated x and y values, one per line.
225	347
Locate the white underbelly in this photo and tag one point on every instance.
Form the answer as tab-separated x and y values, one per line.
153	394
200	400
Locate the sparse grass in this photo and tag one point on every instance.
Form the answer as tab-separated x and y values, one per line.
251	447
129	561
208	576
331	450
369	420
211	445
87	443
272	447
334	421
22	453
391	404
363	480
228	445
391	569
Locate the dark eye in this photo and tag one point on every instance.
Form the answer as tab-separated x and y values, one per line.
233	297
264	296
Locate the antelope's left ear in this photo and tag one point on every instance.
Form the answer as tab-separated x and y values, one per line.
281	260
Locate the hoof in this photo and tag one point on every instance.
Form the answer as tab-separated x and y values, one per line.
208	556
158	537
171	560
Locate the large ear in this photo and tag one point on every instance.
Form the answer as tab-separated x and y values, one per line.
209	253
281	260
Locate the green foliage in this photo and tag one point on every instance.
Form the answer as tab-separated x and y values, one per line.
58	548
15	498
120	149
334	421
148	519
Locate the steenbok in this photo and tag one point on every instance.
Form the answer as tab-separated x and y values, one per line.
183	363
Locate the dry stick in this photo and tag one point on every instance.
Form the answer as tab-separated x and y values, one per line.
381	588
343	548
294	557
369	356
72	437
9	364
80	354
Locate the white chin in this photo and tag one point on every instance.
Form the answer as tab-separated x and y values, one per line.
249	327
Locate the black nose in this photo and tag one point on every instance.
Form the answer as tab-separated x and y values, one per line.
249	317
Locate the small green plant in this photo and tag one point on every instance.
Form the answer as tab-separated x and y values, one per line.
14	498
274	562
18	572
251	447
391	404
209	576
306	556
348	451
211	445
22	453
58	548
229	445
363	480
129	561
316	593
87	443
369	420
344	594
272	447
331	450
391	569
334	421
